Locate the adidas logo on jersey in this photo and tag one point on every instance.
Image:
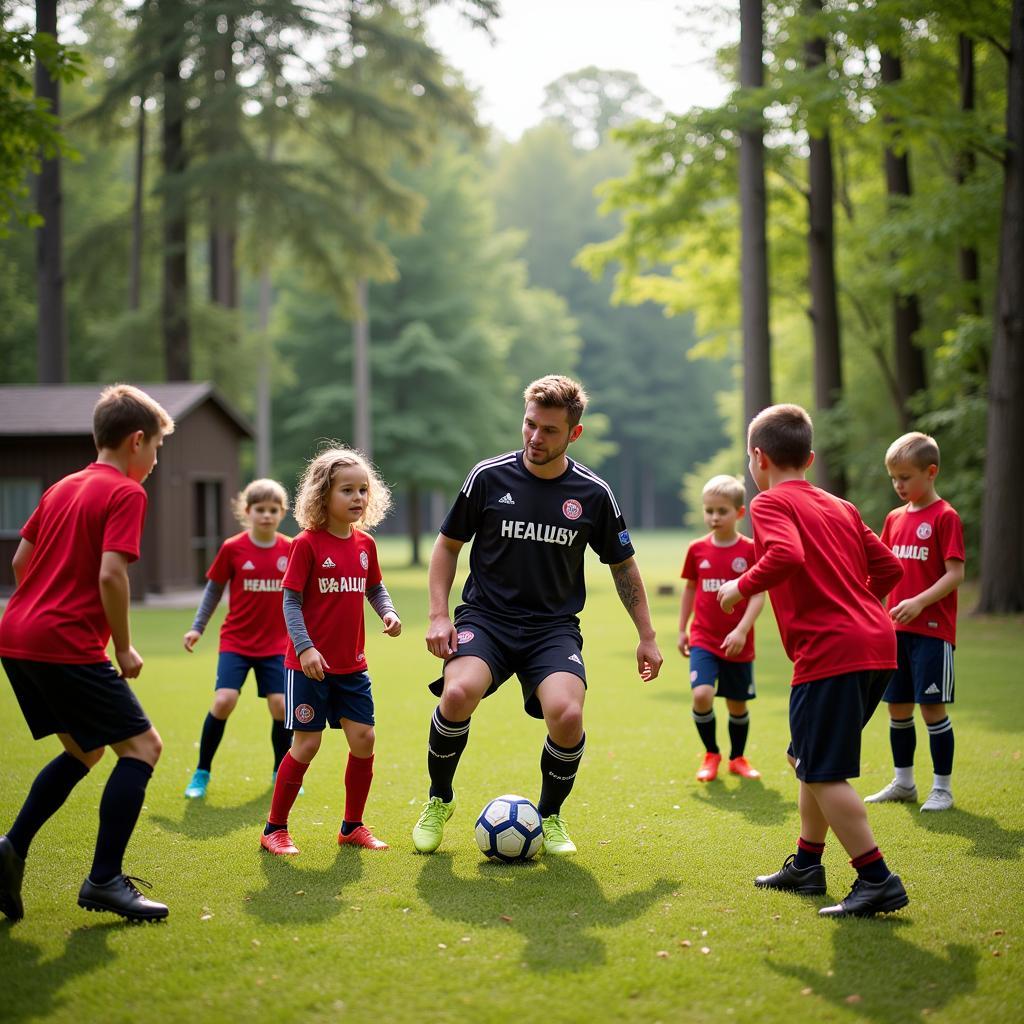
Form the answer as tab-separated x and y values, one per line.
932	689
576	658
507	500
705	564
248	565
328	563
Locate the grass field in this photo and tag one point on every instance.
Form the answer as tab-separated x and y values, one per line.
655	920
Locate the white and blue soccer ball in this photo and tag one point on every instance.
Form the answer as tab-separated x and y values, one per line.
508	829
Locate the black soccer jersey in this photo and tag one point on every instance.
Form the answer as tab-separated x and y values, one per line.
530	536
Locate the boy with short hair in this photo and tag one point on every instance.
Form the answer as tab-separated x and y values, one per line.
927	536
827	573
720	649
71	598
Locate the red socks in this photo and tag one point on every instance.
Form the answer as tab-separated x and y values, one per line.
358	776
286	789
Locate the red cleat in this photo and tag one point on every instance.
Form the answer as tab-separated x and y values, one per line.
709	768
741	766
279	843
362	836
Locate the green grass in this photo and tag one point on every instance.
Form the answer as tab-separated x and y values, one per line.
617	934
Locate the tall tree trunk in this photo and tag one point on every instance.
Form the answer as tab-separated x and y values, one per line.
906	311
415	526
223	138
828	363
757	371
1002	533
966	162
51	330
135	270
264	435
361	430
175	298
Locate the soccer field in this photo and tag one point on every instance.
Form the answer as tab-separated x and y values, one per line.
656	919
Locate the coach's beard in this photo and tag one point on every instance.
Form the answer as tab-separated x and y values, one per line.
538	460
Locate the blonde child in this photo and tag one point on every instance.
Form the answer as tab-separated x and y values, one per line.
333	566
253	635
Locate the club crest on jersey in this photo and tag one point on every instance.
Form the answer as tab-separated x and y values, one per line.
247	564
304	713
364	559
328	563
924	531
572	509
282	563
465	635
739	564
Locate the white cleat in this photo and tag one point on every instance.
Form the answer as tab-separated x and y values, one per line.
938	800
894	793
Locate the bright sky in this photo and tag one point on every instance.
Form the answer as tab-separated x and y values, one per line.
537	41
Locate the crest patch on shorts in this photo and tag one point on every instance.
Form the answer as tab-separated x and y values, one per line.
465	635
304	713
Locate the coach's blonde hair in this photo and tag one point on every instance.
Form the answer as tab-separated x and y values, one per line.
913	449
728	487
557	392
312	497
256	492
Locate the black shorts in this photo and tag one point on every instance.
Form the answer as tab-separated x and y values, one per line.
924	671
826	718
532	653
312	705
91	703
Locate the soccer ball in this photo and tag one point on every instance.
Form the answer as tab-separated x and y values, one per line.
508	829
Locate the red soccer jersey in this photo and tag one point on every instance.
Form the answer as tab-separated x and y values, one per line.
332	574
254	625
56	613
923	541
710	565
827	574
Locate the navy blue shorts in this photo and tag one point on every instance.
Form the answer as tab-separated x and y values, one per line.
311	705
91	703
532	653
826	718
735	678
924	672
232	669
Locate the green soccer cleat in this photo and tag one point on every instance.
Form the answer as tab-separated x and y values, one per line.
196	789
556	838
427	832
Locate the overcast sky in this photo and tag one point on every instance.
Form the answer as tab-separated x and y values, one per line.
539	40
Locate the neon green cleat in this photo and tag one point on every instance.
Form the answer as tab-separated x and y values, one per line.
556	839
427	832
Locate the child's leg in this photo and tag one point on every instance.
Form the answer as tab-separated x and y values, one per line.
739	727
704	717
289	778
903	741
845	814
358	771
280	737
224	702
940	739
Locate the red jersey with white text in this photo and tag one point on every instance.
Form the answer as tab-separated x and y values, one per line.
332	574
254	625
710	565
923	540
56	613
827	575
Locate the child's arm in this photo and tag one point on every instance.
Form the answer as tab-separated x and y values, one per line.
312	661
211	598
19	563
115	594
909	609
885	570
380	601
685	611
735	640
783	553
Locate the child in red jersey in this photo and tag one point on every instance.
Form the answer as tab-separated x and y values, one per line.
926	535
827	574
332	567
253	635
71	598
720	648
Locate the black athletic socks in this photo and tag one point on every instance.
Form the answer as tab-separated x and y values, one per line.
558	767
903	740
119	811
807	853
940	739
739	727
49	791
209	741
281	738
445	745
871	866
706	730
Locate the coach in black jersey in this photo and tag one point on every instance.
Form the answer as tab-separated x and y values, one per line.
532	513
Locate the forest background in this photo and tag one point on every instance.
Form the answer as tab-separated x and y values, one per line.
295	200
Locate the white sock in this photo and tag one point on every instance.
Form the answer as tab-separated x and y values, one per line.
905	777
943	782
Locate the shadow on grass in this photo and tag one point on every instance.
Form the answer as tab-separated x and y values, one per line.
32	986
759	805
293	895
200	820
554	903
991	841
893	980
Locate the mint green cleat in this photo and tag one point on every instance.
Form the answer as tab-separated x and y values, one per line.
427	832
556	839
196	789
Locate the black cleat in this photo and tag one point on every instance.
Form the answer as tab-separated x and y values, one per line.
120	896
12	870
789	878
869	898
